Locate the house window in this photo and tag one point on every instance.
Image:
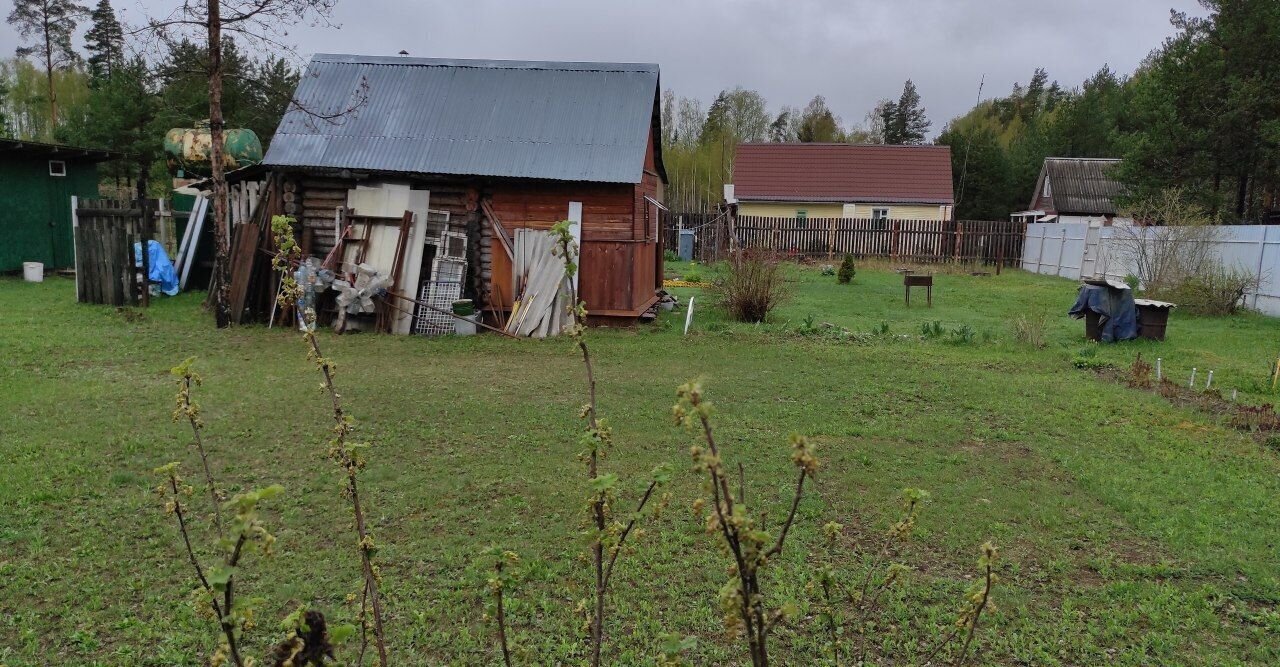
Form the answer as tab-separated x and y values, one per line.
57	168
802	218
879	217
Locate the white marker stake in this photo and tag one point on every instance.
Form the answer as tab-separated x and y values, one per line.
1209	380
1192	384
688	318
1233	394
1159	369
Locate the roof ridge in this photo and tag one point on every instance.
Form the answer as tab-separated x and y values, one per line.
480	63
839	144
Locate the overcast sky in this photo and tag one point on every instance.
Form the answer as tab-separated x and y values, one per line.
854	52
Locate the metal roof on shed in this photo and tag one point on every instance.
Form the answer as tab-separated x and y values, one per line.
523	119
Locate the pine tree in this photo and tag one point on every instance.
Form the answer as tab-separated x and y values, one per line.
911	126
105	43
847	270
887	122
49	24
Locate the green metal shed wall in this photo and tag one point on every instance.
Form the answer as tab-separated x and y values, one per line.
35	210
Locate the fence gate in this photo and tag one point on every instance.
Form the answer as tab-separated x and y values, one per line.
105	231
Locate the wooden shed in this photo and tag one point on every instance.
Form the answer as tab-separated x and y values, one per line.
37	181
499	146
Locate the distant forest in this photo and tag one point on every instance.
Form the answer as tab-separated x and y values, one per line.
1201	112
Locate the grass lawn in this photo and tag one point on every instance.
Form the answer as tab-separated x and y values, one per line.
1132	532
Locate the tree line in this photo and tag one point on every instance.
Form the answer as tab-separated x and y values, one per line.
1201	114
699	145
124	94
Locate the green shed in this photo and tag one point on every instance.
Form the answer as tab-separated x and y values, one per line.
37	182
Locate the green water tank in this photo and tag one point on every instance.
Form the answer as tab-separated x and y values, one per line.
187	149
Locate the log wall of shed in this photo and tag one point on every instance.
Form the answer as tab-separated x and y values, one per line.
620	266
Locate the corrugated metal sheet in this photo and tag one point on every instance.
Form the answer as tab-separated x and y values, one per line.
843	173
561	121
1081	185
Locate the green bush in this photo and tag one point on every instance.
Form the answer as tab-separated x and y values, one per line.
1216	290
692	276
670	256
752	285
847	270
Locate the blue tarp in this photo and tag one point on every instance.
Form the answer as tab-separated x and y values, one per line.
1117	314
158	266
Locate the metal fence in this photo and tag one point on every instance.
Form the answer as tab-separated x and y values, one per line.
1077	250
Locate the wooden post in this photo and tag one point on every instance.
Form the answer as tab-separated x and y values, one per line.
1000	252
959	240
894	229
831	240
144	234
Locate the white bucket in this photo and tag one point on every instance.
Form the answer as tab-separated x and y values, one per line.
466	327
33	272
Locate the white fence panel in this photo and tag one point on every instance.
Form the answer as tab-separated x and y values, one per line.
1064	249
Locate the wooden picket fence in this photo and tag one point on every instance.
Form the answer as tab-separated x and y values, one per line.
105	231
919	241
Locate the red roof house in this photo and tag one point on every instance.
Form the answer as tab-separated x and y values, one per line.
843	180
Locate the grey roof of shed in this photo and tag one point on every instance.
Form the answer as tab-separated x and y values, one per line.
523	119
1080	185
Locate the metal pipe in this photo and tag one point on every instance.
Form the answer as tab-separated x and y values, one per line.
1192	384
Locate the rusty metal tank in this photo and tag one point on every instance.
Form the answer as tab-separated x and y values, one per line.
187	149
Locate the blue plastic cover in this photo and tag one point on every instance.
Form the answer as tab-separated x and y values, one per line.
1118	316
159	268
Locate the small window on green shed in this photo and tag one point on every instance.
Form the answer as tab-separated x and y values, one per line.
57	168
802	218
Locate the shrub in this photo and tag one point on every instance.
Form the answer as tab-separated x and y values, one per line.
847	270
1030	329
692	276
1173	239
752	286
828	269
670	256
1215	290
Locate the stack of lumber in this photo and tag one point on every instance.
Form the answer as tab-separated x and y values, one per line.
543	293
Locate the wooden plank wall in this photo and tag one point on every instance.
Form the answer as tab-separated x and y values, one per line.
923	241
618	261
105	231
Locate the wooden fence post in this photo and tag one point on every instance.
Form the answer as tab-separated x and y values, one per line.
959	240
831	240
894	229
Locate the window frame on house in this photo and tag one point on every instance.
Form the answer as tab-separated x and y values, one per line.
802	218
61	173
879	221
